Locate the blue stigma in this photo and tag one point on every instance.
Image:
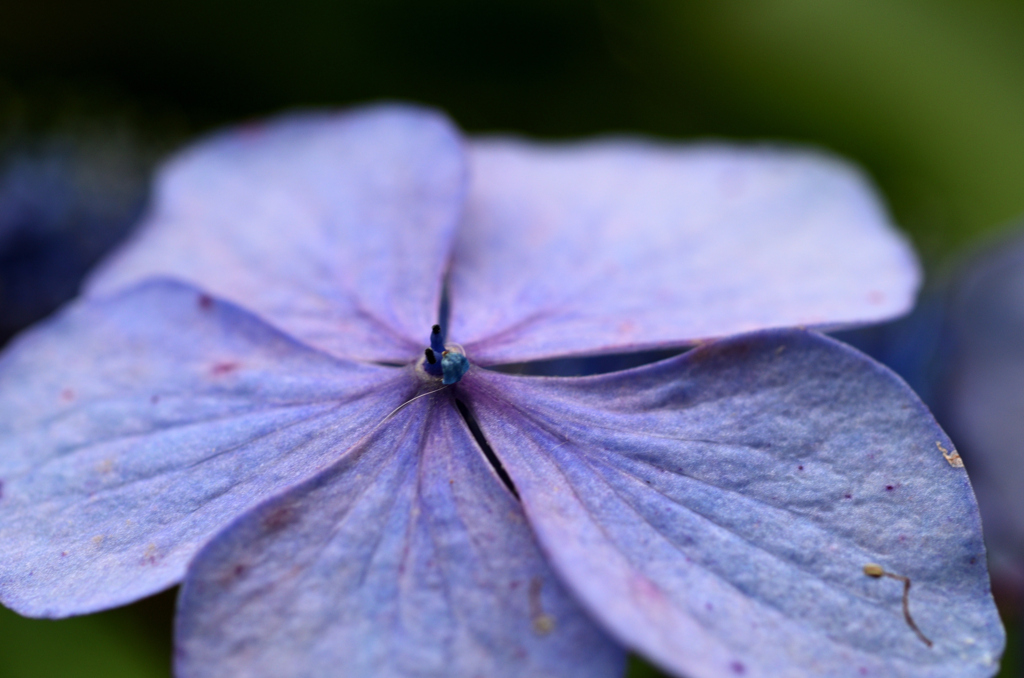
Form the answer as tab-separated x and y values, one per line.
436	341
448	363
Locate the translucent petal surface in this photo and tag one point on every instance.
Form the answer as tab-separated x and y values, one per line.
336	228
133	429
407	558
715	510
983	401
617	245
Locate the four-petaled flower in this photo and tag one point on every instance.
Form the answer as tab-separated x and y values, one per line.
312	477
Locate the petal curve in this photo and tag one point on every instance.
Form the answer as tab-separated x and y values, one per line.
336	228
134	428
621	245
406	558
716	510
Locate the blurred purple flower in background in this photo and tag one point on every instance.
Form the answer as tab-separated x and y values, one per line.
332	507
66	198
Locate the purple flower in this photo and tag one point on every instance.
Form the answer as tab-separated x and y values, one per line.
306	472
65	200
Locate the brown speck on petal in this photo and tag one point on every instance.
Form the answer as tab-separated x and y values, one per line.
876	571
223	368
543	623
952	457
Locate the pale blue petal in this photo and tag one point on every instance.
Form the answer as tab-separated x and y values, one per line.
716	510
622	245
408	558
132	429
337	228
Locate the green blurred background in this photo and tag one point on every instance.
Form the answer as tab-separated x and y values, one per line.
927	95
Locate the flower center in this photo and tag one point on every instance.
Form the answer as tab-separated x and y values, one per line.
447	362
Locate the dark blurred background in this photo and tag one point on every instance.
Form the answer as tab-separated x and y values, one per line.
927	95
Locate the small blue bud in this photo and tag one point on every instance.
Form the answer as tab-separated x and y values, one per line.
453	365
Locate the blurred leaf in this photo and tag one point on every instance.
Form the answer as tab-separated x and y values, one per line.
106	645
1013	661
639	668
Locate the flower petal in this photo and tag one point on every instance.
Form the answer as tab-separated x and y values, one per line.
406	558
134	428
623	245
335	227
716	510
